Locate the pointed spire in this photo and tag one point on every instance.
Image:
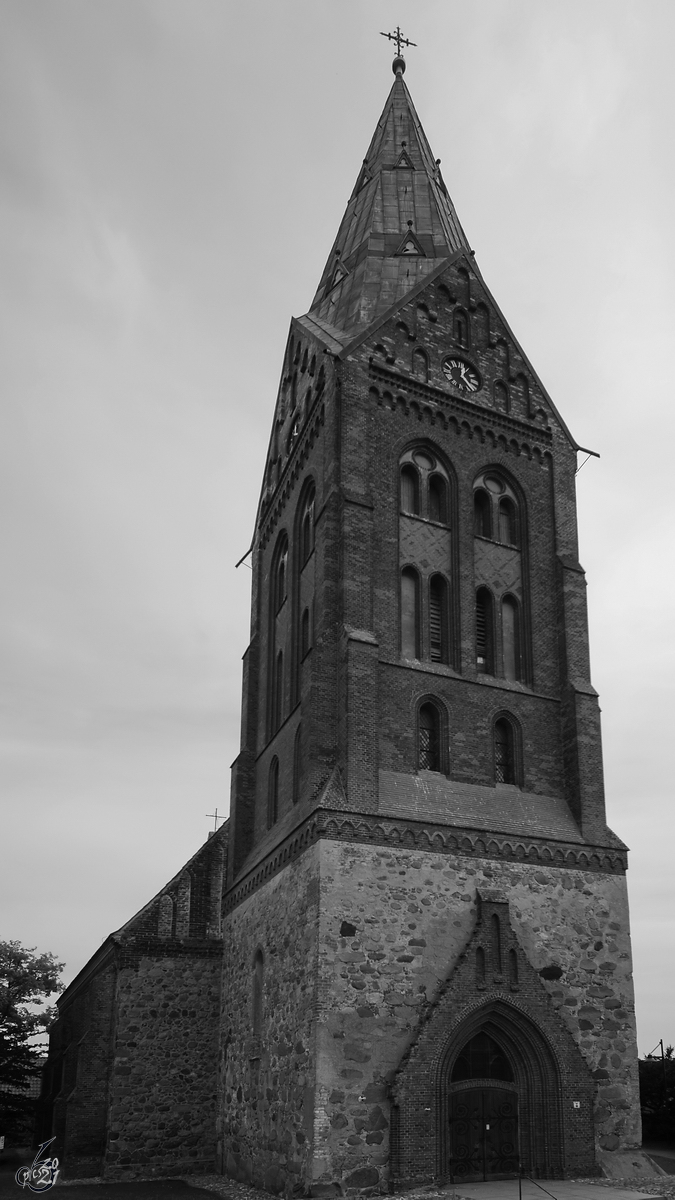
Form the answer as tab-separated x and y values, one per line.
399	224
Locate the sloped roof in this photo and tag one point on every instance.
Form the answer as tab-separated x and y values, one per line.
399	224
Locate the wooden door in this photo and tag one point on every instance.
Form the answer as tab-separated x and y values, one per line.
483	1134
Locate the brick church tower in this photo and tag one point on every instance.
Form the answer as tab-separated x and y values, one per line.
427	967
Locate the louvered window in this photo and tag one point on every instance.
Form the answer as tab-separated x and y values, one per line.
510	639
507	522
410	636
437	620
482	524
484	632
438	499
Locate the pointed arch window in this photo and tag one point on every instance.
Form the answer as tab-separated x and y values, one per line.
410	608
482	1058
429	738
410	490
278	691
460	328
297	764
257	998
273	793
438	499
511	639
504	751
307	527
280	576
305	636
501	394
420	364
484	632
482	520
507	521
496	948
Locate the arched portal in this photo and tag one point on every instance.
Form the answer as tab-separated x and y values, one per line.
500	1098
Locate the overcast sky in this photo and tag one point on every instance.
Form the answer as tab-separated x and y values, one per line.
173	173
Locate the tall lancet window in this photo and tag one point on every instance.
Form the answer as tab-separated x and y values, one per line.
427	619
500	558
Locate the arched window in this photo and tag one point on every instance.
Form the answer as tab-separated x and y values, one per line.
280	572
273	793
504	752
297	764
278	691
257	1005
460	328
513	968
511	639
304	634
484	632
438	499
507	521
429	738
501	394
307	528
438	619
482	521
410	606
480	965
410	490
482	1058
420	364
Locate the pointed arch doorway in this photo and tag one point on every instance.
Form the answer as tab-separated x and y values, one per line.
500	1098
482	1113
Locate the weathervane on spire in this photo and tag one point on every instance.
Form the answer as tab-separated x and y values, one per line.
399	39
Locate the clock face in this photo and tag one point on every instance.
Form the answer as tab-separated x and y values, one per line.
461	374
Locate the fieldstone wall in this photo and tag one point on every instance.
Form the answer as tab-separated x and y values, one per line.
393	925
162	1114
267	1078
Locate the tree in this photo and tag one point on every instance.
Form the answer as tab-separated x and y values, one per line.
657	1095
27	980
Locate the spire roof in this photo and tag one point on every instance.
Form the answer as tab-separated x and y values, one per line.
400	223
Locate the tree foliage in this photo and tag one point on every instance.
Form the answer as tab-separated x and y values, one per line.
657	1095
27	980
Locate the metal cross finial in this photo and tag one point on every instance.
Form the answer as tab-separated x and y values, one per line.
399	39
216	818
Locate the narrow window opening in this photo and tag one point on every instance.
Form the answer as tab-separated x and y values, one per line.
461	329
307	529
496	944
410	491
513	968
420	365
258	969
480	965
278	692
510	639
482	523
429	738
410	638
280	580
507	522
438	499
297	764
273	793
438	648
484	664
304	634
504	758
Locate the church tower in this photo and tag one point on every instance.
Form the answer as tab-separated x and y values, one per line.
427	968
